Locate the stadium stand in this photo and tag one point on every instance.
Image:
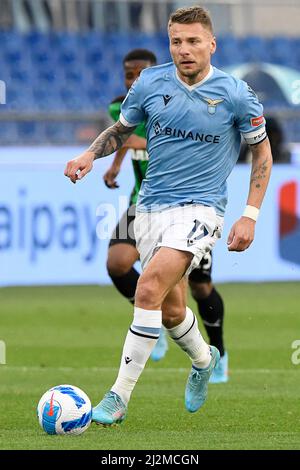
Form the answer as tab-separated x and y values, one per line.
67	72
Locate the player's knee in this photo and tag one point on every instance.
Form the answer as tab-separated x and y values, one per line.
117	267
148	293
201	290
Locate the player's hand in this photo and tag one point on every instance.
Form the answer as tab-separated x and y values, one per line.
241	235
110	177
76	169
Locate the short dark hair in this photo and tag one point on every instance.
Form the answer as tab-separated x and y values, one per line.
140	54
191	15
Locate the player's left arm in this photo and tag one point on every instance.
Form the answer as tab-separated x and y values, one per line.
242	232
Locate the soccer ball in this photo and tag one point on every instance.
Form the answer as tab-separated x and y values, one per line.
64	409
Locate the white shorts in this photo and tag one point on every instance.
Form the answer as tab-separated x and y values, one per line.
194	228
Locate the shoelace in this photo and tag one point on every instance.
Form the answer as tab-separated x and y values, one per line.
112	403
195	379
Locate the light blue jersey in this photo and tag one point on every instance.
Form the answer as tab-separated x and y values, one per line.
193	134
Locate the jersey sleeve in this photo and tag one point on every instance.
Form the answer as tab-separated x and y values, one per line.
132	111
114	110
249	115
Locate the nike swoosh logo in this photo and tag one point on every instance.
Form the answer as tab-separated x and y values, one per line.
127	360
51	411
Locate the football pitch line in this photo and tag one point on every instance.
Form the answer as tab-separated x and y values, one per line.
170	370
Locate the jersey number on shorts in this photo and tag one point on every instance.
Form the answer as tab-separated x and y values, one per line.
198	231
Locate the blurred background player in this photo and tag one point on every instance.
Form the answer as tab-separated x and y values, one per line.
122	253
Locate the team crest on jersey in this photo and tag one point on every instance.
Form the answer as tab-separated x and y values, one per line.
212	104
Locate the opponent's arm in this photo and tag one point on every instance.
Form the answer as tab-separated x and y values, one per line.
136	142
110	175
242	232
133	142
106	143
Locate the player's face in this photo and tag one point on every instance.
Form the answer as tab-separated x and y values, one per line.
133	69
191	47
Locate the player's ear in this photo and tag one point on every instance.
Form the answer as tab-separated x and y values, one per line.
213	45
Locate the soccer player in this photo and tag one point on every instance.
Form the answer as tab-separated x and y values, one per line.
122	253
195	115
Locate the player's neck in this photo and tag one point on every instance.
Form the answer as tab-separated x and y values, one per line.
190	81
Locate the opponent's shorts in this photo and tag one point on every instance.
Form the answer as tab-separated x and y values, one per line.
124	232
202	272
192	227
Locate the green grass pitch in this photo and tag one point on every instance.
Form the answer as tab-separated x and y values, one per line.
74	335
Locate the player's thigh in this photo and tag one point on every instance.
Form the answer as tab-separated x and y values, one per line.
200	290
200	278
121	257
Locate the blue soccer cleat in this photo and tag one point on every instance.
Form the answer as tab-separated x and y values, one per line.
197	384
111	410
220	372
161	346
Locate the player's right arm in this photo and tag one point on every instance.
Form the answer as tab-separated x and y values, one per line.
108	142
112	139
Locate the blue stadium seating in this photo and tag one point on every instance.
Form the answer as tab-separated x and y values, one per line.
60	134
8	133
81	72
28	130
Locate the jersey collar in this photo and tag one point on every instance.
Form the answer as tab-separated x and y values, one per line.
192	87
